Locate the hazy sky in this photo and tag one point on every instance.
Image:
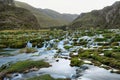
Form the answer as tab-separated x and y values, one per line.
70	6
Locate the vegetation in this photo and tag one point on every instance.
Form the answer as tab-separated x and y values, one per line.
68	47
28	50
109	58
45	77
19	38
12	18
22	66
95	18
76	62
84	47
48	18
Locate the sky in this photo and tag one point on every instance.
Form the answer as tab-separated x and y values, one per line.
70	6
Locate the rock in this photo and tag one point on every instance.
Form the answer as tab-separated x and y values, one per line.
8	75
84	67
115	71
34	69
30	70
57	60
16	76
26	71
2	75
87	62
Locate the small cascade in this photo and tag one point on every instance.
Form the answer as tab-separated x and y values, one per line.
49	44
101	36
29	45
45	45
16	76
119	43
61	45
36	47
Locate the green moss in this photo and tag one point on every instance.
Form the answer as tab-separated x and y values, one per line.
115	44
68	47
100	39
44	77
19	44
28	50
22	66
76	62
108	53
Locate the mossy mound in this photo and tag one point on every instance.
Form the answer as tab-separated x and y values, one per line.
45	77
22	67
28	50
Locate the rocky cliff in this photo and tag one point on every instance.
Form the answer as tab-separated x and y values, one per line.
108	17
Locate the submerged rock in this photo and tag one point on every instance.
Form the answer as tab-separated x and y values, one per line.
57	60
79	71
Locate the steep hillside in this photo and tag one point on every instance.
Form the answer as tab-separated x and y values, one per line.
59	16
108	17
12	17
46	17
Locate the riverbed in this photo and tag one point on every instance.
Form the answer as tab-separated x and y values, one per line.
60	66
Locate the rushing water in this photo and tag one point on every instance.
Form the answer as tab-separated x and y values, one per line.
59	68
65	71
96	73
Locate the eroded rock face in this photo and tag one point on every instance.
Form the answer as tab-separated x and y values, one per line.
113	15
108	17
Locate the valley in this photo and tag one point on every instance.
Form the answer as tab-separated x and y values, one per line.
43	44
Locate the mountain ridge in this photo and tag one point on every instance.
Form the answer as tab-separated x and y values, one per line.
12	17
108	17
46	17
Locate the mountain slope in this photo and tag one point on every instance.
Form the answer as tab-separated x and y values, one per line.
12	17
108	17
59	16
47	18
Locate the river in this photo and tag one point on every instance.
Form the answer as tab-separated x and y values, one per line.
60	68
